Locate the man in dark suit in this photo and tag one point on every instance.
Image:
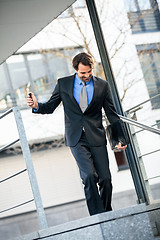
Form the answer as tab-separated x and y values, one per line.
83	96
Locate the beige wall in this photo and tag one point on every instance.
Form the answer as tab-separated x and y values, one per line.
57	176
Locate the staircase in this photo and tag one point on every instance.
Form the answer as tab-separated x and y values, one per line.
132	223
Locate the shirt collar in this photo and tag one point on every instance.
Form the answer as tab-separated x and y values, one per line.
79	81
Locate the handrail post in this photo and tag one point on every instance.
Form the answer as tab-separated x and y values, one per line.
30	168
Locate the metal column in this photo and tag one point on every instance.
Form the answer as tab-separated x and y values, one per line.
9	84
130	151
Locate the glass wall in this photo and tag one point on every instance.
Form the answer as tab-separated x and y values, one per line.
33	71
143	15
131	31
149	56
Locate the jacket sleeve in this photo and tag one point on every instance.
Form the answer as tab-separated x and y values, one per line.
51	104
108	106
116	131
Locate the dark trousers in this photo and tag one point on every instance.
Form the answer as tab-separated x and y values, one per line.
94	170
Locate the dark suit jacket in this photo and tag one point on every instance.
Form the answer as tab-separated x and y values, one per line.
75	119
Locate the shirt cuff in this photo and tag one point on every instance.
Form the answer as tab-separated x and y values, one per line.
36	110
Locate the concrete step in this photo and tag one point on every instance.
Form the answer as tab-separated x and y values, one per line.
130	223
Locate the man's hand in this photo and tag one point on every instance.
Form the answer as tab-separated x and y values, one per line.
119	146
32	101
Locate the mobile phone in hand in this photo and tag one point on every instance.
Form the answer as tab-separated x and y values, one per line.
30	95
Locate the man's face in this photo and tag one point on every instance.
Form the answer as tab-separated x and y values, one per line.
84	72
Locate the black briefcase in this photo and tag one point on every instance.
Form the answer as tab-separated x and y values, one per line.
116	132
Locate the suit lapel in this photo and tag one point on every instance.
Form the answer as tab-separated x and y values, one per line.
94	92
71	86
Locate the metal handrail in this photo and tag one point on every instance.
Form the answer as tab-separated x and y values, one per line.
156	124
146	154
152	178
140	125
148	100
8	145
21	204
6	113
14	175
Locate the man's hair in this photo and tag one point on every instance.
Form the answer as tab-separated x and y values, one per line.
83	58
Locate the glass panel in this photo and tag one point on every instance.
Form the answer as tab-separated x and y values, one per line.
150	60
137	76
79	4
144	4
41	70
130	5
38	69
18	71
137	5
3	83
36	65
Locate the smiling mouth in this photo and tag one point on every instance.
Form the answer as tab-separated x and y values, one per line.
87	79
